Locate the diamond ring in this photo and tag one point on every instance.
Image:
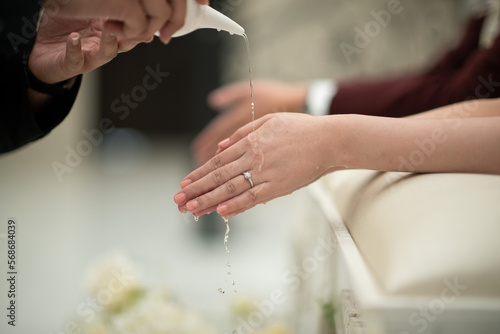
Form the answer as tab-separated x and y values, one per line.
248	177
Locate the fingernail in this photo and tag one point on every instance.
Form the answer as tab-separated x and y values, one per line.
185	183
191	205
223	143
221	209
75	40
149	40
183	209
167	41
179	198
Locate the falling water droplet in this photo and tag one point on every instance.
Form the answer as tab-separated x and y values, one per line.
226	235
196	218
221	291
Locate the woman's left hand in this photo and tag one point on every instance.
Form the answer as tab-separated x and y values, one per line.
283	153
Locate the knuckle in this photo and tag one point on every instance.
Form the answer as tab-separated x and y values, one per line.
110	53
252	196
74	62
231	189
217	176
203	201
216	162
177	22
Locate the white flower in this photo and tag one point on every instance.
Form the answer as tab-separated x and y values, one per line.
242	306
277	328
114	282
156	315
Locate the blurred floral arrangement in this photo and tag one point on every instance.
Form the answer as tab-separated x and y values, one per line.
123	305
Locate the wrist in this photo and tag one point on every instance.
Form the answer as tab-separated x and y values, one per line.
298	98
339	128
56	89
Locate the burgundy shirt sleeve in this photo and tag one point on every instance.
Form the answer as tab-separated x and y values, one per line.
464	73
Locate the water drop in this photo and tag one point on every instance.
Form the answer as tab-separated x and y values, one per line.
196	218
232	282
228	264
229	273
226	235
221	291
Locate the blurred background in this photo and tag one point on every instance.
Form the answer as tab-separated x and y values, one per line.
117	197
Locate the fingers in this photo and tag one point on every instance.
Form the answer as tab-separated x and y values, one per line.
160	13
108	50
241	133
78	60
176	21
216	163
244	201
137	20
73	61
221	177
126	45
205	144
202	2
226	96
133	21
200	188
206	179
209	201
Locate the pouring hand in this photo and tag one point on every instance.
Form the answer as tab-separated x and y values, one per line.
66	47
136	20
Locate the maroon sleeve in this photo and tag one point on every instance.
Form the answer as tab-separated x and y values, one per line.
466	72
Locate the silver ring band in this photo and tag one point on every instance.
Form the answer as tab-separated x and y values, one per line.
248	177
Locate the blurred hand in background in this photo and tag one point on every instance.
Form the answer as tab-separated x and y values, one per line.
234	102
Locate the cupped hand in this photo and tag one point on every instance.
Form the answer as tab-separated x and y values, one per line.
284	153
135	20
66	47
235	103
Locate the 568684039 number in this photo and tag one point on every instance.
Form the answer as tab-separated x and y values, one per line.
11	245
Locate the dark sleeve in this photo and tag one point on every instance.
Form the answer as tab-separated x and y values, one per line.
19	124
464	73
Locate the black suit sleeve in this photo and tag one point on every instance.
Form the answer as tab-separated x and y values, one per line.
19	124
